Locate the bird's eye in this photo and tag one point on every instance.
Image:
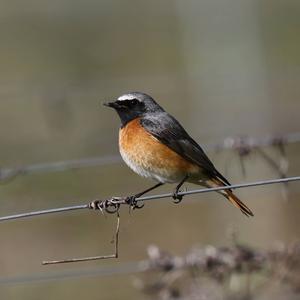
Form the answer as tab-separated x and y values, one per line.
133	102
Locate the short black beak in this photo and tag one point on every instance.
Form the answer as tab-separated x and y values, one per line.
110	104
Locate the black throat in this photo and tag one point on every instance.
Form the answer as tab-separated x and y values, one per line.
126	117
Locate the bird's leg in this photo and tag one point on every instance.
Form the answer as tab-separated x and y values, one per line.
131	200
177	198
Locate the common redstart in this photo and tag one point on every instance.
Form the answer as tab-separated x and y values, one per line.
154	145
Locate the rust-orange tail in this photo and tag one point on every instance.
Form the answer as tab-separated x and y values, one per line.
231	197
238	203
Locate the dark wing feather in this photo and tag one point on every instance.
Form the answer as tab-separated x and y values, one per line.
169	131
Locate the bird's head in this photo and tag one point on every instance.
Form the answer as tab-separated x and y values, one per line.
133	105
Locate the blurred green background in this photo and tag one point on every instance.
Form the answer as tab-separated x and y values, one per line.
222	67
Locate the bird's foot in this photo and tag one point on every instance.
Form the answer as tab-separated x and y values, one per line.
176	197
133	203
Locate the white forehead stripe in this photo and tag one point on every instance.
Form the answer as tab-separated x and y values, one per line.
127	97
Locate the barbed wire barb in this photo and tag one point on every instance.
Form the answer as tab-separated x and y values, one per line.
244	145
279	258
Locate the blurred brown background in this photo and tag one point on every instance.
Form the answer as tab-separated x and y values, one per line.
222	68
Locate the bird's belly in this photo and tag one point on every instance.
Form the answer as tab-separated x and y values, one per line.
150	158
145	169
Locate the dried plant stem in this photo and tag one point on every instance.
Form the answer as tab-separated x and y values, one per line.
90	258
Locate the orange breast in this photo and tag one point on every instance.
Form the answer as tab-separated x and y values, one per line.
140	148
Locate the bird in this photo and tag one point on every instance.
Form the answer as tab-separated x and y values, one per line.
156	146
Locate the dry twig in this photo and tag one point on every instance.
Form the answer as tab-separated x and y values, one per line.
81	259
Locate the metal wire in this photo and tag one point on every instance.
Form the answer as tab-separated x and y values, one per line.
153	197
8	173
43	212
230	258
269	140
119	269
227	143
